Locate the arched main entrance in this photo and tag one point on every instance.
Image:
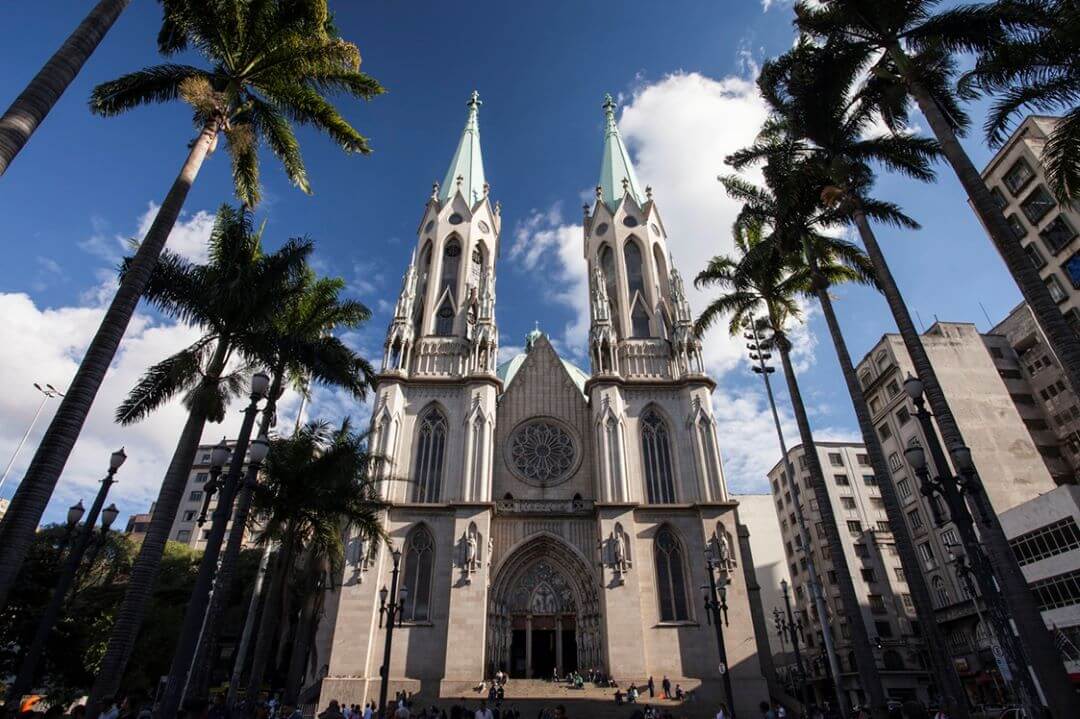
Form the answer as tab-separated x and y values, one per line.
544	611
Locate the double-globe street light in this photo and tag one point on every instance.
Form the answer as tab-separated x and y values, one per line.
195	614
28	668
392	612
952	490
716	606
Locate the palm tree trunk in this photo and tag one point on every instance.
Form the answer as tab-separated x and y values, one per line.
129	619
199	685
302	637
944	669
1034	637
268	622
869	678
816	592
20	524
240	657
34	103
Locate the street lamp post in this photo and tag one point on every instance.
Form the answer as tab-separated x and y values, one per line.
392	613
74	514
108	516
194	614
759	354
794	627
28	669
716	606
952	490
49	392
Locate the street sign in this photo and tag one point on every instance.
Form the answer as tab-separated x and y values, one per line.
723	669
1002	664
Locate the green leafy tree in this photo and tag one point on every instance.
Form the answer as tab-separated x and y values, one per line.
271	65
234	298
318	483
1037	68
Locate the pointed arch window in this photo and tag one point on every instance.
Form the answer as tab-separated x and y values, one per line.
635	273
656	451
670	577
662	272
430	455
476	267
417	576
444	319
639	319
450	264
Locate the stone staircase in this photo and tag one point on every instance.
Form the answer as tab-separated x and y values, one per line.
529	696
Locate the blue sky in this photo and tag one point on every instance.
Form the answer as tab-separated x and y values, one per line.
683	71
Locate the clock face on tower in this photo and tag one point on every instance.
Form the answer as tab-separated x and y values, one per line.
542	452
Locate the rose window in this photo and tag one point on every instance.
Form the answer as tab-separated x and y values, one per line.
542	452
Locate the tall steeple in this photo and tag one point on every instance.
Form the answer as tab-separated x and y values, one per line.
467	165
616	171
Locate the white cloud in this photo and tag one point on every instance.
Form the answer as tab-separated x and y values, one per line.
188	237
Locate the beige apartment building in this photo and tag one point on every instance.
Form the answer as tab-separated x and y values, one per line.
887	609
1011	442
185	527
1048	230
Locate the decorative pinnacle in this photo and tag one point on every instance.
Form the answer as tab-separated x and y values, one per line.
625	185
487	189
434	190
460	179
648	191
599	192
474	100
609	114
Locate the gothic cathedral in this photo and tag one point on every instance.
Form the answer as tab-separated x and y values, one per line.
544	517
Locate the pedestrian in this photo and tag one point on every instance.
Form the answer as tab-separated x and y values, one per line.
332	712
722	712
666	684
560	712
483	712
652	687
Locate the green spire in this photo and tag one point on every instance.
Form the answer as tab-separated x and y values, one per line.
616	171
467	163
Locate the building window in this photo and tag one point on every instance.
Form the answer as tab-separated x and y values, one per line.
869	480
656	448
1072	270
863	460
841	480
868	574
189	515
831	576
877	604
671	586
854	526
847	502
1038	204
861	550
1057	292
201	477
915	516
821	533
607	264
1018	176
1019	229
884	631
1035	256
1046	541
884	431
999	198
899	573
941	594
430	457
184	535
1060	591
450	264
902	416
1058	234
892	389
927	554
835	459
948	538
883	526
903	489
894	462
419	562
195	496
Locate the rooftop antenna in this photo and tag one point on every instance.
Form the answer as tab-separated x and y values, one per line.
922	325
989	324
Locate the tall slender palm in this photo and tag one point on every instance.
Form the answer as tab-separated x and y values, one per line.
910	50
767	282
272	63
816	115
317	483
29	109
1037	68
234	299
300	347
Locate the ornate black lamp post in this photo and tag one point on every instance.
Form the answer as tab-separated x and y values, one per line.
392	612
794	628
716	608
952	490
24	681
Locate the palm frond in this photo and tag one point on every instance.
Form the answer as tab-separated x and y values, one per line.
161	83
161	382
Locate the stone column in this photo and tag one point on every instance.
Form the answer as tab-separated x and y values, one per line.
528	646
558	645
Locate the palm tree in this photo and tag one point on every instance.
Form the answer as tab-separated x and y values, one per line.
271	65
318	483
299	348
816	115
234	298
22	119
765	282
1036	68
910	50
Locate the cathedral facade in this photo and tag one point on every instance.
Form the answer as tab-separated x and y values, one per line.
544	517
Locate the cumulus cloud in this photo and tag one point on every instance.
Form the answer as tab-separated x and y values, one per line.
45	344
188	237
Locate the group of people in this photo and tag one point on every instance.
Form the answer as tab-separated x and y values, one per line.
633	693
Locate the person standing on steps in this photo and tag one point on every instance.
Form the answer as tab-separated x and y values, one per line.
652	687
